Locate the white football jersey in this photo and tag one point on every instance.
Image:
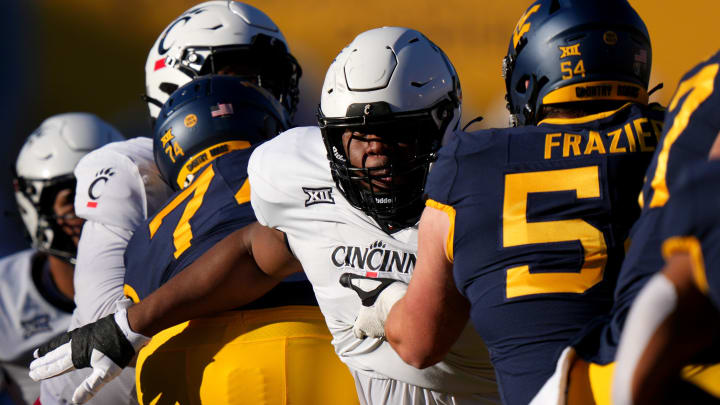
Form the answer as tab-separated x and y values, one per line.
118	185
292	190
27	319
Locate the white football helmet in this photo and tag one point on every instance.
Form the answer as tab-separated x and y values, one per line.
393	81
45	166
213	36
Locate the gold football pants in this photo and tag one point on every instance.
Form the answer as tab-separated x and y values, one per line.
273	356
591	384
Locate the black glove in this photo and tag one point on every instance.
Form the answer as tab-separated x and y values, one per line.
107	345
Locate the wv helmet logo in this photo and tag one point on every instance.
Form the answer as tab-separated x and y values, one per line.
318	196
98	185
523	27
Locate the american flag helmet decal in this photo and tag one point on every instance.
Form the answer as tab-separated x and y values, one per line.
221	110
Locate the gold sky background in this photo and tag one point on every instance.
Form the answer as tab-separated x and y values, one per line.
92	52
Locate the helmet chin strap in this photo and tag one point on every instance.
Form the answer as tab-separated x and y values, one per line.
151	100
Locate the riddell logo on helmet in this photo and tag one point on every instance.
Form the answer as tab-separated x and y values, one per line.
373	259
337	154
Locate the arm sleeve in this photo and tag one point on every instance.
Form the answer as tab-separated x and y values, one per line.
99	272
267	199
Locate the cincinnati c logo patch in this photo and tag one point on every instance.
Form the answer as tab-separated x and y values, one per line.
98	185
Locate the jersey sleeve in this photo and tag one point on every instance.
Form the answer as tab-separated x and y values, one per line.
99	271
691	225
270	193
707	272
110	190
442	175
690	127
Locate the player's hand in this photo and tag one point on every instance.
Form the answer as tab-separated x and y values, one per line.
378	296
107	345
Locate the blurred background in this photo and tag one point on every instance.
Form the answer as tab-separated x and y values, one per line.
89	55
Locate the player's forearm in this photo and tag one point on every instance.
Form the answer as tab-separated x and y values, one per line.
410	344
223	278
679	340
424	338
667	326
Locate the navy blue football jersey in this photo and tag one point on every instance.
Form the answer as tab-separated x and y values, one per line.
690	128
541	217
692	224
192	221
691	124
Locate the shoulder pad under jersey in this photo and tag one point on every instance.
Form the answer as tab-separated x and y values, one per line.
119	184
282	168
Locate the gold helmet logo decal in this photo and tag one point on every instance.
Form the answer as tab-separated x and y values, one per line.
523	26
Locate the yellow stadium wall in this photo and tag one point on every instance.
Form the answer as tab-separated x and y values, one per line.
93	51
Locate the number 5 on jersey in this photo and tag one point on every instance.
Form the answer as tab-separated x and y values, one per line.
518	231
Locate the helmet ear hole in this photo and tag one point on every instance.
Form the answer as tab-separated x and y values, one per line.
168	88
522	84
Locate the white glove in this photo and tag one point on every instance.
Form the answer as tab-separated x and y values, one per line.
107	345
378	296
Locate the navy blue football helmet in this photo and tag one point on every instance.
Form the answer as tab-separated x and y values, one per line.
564	51
210	117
